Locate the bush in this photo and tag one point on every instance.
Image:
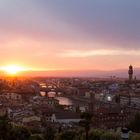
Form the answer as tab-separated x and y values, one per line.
95	134
110	136
36	137
68	135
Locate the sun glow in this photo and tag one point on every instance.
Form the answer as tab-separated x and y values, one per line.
12	69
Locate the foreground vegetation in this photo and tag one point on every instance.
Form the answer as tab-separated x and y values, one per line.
11	132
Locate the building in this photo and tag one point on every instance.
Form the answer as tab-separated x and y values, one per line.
63	117
130	72
3	110
30	119
67	117
111	118
13	96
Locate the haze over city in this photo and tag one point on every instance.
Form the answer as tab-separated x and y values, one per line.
70	35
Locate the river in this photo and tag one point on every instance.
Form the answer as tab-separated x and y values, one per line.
66	100
62	100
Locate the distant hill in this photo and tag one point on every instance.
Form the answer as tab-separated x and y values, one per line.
84	73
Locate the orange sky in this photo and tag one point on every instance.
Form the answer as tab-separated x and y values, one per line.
81	35
29	53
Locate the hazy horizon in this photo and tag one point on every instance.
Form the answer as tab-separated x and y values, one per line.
120	73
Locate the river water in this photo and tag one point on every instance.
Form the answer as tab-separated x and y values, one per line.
66	100
62	100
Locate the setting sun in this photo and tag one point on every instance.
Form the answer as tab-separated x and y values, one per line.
12	69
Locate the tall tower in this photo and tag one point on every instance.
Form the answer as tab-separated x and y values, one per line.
130	72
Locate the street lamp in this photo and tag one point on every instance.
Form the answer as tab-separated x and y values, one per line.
109	99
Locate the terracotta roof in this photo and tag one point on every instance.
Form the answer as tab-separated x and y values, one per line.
106	110
67	115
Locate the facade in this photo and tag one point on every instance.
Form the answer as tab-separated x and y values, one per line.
3	110
111	118
13	96
63	117
67	117
30	119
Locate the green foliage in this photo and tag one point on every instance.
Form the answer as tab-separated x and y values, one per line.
35	131
81	137
86	121
68	135
87	116
95	134
49	133
19	133
36	137
135	137
8	132
135	124
5	127
110	136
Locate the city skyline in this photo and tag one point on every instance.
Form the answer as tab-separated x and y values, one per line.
70	35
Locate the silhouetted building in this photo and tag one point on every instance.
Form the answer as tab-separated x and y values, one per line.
130	72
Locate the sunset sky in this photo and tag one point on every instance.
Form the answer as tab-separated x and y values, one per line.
70	34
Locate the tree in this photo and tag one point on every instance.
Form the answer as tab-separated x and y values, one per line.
85	122
19	133
5	127
95	134
9	132
67	135
110	136
135	124
36	137
49	133
135	137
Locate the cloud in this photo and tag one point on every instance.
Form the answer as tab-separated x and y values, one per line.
90	53
58	34
112	23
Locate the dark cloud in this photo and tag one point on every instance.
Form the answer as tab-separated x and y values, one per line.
112	23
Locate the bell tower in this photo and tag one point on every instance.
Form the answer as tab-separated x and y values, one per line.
130	72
